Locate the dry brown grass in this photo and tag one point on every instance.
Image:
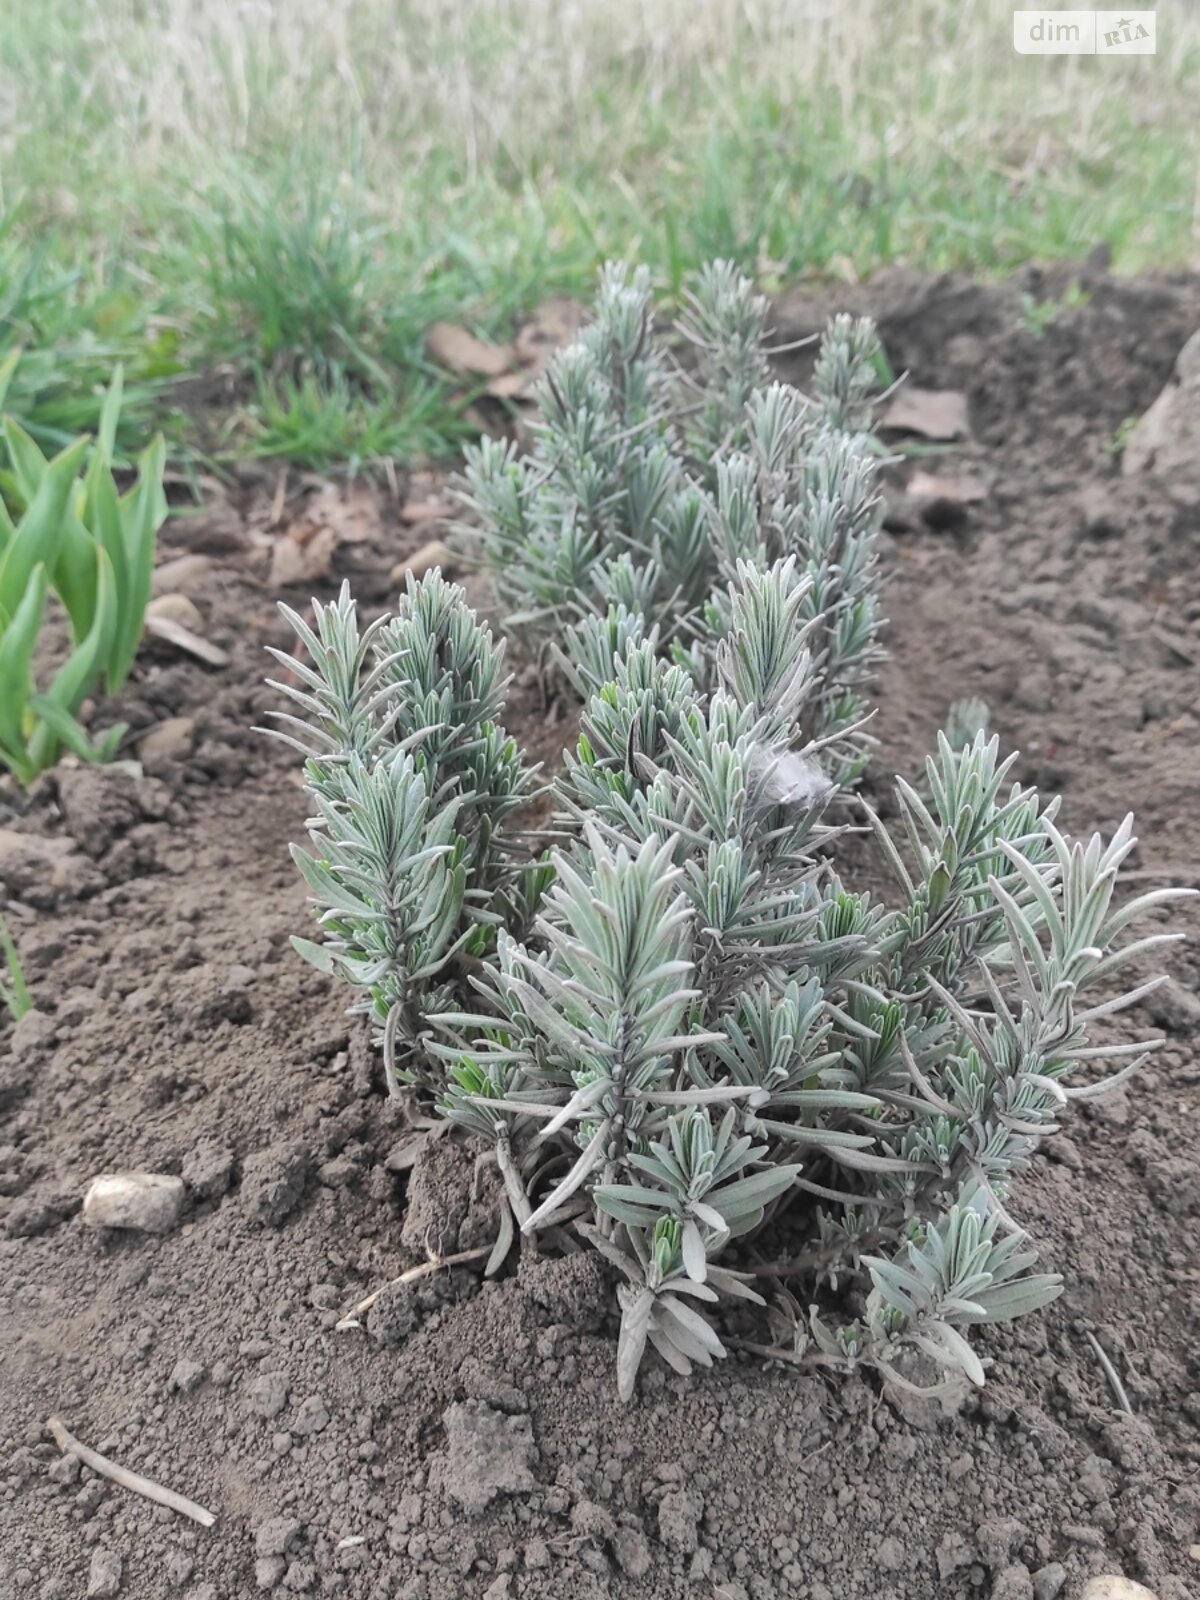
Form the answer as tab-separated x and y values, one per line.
540	89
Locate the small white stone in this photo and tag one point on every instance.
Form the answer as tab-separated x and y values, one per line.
148	1202
1111	1586
168	741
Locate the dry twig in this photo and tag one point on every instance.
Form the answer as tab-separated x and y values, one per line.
434	1264
811	1260
70	1445
1110	1372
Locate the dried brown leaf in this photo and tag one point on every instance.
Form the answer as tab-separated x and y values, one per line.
181	572
293	562
964	491
172	632
177	608
460	351
433	554
351	511
931	413
433	509
510	386
556	322
303	552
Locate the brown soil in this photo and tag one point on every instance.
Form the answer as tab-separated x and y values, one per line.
474	1445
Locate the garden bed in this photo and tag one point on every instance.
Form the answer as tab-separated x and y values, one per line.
466	1438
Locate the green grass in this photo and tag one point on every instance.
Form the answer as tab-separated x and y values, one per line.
68	327
290	194
14	994
328	422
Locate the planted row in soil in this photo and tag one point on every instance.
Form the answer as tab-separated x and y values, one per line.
466	1439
